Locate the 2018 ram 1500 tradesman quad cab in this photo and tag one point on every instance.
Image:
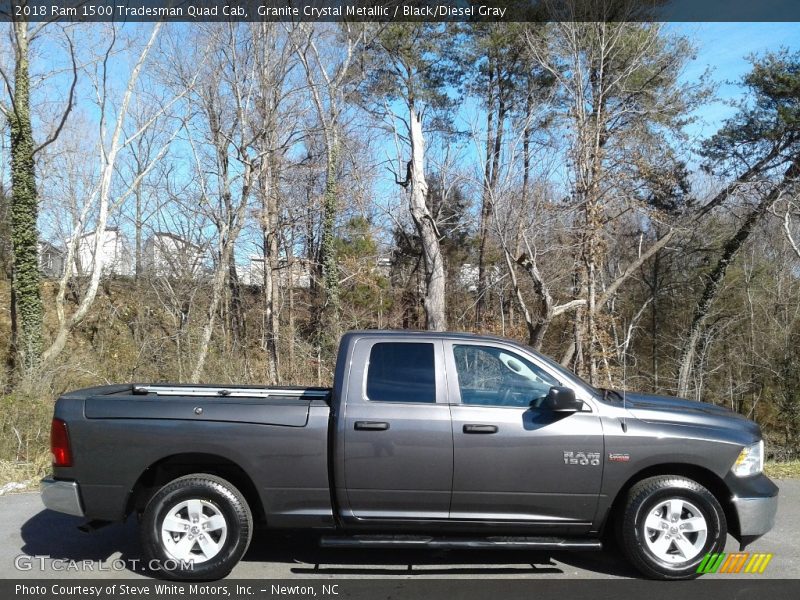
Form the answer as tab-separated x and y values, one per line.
426	439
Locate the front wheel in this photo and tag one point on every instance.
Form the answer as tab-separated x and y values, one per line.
669	524
195	527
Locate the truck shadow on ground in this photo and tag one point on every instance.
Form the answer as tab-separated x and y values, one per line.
56	536
304	556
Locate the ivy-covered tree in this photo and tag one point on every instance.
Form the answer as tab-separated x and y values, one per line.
26	299
5	235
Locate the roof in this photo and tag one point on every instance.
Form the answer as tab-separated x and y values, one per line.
107	230
45	246
422	334
173	236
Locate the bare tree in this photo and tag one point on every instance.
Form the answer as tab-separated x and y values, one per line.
620	83
230	153
761	144
715	279
329	79
408	64
275	114
101	199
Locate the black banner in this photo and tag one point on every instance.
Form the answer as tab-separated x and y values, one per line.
191	11
399	589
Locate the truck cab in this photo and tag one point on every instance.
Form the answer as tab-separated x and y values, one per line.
475	413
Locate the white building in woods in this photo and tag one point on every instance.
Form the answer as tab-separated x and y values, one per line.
252	273
51	260
168	255
383	264
468	277
469	274
299	274
117	258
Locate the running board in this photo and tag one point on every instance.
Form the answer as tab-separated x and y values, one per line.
453	543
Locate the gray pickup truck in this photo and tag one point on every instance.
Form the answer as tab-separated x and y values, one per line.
426	440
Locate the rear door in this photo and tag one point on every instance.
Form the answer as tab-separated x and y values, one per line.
513	459
398	442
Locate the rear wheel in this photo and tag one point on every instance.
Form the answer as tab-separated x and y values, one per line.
669	524
195	527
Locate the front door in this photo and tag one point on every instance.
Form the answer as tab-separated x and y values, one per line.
515	460
398	443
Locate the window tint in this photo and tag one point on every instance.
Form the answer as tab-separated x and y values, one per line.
400	372
492	376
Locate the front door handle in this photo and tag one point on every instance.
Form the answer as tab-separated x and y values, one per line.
372	425
480	429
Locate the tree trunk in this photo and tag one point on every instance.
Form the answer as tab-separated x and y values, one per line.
270	256
137	273
654	321
434	301
290	317
330	272
486	198
228	234
236	319
26	335
108	160
494	147
290	333
536	330
217	289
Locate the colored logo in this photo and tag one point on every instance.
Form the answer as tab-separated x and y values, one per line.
735	562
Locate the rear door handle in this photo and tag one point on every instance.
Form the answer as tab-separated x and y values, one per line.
372	425
480	429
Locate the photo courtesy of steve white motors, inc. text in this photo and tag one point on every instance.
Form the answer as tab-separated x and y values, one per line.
177	590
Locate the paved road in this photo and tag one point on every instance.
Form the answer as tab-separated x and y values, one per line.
28	533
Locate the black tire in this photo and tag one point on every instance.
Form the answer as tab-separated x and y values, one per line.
219	498
645	497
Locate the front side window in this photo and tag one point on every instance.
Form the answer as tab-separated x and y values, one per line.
401	372
492	376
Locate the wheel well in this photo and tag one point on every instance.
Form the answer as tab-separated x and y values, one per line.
708	479
165	470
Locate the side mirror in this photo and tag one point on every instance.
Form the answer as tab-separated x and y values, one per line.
562	400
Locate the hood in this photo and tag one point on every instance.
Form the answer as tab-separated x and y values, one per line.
667	409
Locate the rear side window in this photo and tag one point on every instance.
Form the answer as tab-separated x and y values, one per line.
401	372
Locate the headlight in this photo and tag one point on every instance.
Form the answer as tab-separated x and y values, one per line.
750	460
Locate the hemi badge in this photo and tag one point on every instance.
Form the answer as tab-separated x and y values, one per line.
618	457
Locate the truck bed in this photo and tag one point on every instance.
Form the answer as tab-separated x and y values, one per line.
277	435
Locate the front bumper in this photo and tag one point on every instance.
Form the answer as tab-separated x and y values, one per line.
756	515
755	501
61	496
